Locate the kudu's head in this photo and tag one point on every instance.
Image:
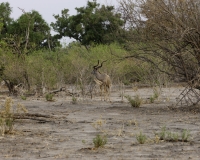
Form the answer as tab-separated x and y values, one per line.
95	68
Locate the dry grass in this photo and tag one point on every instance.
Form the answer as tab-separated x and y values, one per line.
7	112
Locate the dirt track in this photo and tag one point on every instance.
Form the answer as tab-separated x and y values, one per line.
62	130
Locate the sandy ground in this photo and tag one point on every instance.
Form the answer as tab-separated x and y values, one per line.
65	131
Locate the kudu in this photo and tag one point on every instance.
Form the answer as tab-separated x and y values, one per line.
103	80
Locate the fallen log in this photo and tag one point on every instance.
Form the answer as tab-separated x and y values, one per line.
58	90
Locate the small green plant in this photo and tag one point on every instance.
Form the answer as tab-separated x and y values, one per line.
141	138
74	100
83	141
154	96
175	137
162	134
152	99
156	93
49	97
136	102
185	135
99	141
23	97
172	137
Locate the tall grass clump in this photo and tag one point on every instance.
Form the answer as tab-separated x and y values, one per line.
49	97
169	136
99	141
141	138
185	135
135	102
7	119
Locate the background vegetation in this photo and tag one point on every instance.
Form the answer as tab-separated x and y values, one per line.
149	41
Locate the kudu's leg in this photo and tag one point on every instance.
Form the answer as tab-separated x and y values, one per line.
105	93
101	88
108	92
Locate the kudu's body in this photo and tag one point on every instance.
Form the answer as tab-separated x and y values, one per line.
103	80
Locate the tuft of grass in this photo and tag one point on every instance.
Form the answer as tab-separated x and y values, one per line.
74	100
7	116
23	98
163	133
156	93
185	135
99	141
135	102
152	99
83	141
141	138
174	137
154	96
49	97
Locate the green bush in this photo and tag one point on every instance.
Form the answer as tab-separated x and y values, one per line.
7	116
23	97
185	135
70	65
163	133
74	100
99	141
49	97
141	138
136	102
174	137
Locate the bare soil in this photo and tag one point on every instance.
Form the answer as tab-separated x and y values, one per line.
62	130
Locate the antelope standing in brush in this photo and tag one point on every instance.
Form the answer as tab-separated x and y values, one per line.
103	80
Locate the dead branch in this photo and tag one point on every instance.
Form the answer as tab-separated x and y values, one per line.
22	115
38	117
58	90
191	94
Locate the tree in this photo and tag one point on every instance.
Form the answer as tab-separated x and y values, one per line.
5	20
28	33
92	24
170	34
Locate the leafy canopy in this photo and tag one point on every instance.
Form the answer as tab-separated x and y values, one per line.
5	20
93	24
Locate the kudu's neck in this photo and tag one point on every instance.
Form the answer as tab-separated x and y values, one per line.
99	76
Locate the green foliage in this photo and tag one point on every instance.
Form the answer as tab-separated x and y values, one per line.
173	136
5	20
74	100
49	97
13	69
155	95
162	134
2	68
136	102
44	68
31	26
99	141
70	65
23	97
92	24
141	138
185	135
